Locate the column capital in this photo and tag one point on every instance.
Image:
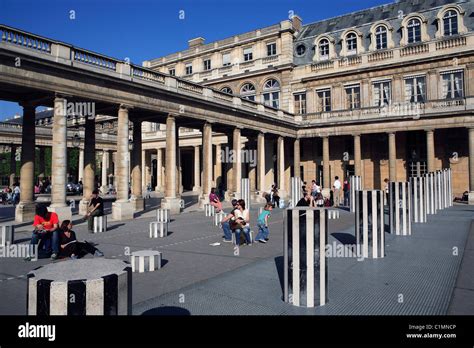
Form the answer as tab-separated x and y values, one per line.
28	104
125	107
62	95
429	130
356	134
392	133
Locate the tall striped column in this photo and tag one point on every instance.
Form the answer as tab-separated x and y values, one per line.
400	208
450	187
80	287
304	252
355	183
245	192
430	193
418	198
295	190
7	234
369	223
439	190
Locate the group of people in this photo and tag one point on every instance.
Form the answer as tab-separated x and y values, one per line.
59	240
11	195
313	195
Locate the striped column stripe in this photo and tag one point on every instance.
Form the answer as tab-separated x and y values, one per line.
430	193
158	229
100	223
245	191
439	191
163	215
450	187
218	218
209	210
304	252
355	183
7	234
295	190
369	223
418	198
145	261
333	214
109	294
400	208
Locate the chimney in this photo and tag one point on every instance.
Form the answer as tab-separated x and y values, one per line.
297	22
196	42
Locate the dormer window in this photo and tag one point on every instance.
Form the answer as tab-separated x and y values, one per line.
414	30
324	49
381	37
450	23
351	43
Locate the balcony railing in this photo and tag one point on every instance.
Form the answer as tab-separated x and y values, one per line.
451	42
24	39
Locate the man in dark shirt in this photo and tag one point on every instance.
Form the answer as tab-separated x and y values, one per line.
306	201
95	208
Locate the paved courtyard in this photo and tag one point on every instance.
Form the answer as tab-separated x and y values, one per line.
419	274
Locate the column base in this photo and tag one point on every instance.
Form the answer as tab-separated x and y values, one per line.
197	189
83	205
122	211
470	198
25	212
138	203
173	204
64	212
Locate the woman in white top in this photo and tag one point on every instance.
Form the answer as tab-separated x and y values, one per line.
242	218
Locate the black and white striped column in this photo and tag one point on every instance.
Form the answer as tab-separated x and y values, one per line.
81	287
295	190
158	229
209	210
355	183
449	187
218	218
418	198
400	208
439	190
7	234
430	184
245	192
100	224
145	261
163	215
369	223
304	252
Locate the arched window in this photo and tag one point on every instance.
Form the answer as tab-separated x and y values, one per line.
324	49
450	23
271	93
248	91
381	37
414	30
351	43
227	90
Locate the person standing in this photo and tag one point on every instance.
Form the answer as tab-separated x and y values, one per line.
347	190
262	224
337	191
95	208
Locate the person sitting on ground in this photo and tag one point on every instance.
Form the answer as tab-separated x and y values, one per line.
225	223
262	223
241	222
214	200
46	229
95	208
306	201
71	247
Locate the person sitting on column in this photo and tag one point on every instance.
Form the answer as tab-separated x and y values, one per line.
337	191
225	223
306	201
71	247
262	223
214	200
242	220
95	208
46	229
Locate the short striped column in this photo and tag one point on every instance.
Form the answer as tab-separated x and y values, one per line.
218	218
418	198
7	234
158	229
295	191
430	193
95	286
369	223
163	215
304	251
100	224
400	208
245	192
209	210
145	261
333	214
355	183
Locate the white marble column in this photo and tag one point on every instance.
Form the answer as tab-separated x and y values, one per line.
218	166
197	170
326	177
261	163
89	165
171	201
237	163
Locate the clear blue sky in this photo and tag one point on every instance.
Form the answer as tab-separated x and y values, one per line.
146	29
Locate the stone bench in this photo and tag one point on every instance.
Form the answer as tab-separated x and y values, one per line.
7	234
209	210
145	261
251	237
100	223
218	218
95	286
163	215
333	214
158	229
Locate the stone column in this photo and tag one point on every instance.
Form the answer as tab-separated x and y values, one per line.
104	170
237	163
197	170
207	163
297	159
122	209
281	166
41	162
471	165
392	157
179	179
137	200
159	170
218	166
143	167
229	167
80	175
430	150
12	165
59	162
326	178
171	201
89	160
261	162
25	210
357	156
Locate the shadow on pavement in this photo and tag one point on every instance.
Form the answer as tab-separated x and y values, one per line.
167	310
344	238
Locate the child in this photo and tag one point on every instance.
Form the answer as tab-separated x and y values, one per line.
262	223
